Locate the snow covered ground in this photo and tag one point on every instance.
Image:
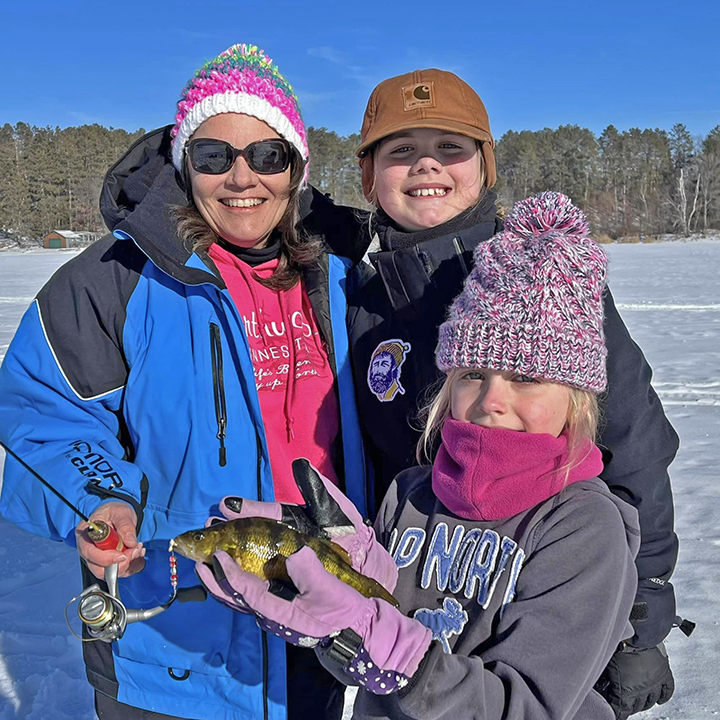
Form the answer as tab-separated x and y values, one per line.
669	295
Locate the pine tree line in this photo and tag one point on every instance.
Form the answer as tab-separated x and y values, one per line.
636	182
50	179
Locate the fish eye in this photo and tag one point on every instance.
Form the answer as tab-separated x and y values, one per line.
198	536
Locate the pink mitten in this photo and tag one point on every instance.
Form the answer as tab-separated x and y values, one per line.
389	645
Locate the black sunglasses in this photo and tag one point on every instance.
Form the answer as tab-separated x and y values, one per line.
214	157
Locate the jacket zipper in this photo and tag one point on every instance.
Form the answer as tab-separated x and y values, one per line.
221	413
459	251
219	390
264	635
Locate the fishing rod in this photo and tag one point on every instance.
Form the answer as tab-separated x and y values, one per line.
43	481
102	613
103	535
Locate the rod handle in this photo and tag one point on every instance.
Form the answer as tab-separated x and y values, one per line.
104	536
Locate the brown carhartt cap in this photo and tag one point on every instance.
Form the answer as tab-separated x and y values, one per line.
426	99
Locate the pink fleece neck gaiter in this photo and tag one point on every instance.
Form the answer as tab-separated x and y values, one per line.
489	474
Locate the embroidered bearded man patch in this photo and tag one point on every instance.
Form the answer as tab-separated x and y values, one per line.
385	367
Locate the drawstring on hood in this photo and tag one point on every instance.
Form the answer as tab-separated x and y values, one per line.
290	394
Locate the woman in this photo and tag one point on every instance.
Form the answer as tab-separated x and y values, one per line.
184	357
427	167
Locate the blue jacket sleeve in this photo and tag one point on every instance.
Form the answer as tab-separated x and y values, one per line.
61	386
638	446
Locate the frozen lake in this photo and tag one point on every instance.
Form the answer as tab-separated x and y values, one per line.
669	296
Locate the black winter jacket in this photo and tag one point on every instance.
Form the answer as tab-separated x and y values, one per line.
394	318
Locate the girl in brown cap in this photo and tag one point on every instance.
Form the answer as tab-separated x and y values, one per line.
428	167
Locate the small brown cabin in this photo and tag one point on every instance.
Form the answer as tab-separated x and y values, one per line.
62	239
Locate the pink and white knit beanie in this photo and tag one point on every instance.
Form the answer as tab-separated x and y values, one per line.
240	80
533	301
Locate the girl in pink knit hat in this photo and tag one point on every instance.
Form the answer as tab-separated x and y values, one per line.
515	563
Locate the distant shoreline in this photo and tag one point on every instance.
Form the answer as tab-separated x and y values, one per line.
665	238
697	237
39	251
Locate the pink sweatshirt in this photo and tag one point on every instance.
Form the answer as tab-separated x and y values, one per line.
294	380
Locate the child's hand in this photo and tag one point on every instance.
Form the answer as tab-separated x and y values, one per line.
327	513
388	648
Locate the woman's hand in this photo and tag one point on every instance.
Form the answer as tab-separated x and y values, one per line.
130	559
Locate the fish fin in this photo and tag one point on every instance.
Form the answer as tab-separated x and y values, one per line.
274	568
383	594
296	518
372	588
305	527
338	549
339	531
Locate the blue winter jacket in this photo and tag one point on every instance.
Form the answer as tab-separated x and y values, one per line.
127	376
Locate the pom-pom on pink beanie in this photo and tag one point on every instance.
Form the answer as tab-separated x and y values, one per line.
240	80
532	303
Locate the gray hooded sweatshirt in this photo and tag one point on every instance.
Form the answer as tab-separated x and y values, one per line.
525	611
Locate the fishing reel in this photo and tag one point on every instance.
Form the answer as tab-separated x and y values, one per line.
104	615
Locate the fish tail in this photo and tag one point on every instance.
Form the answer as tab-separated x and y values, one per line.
380	592
336	561
366	586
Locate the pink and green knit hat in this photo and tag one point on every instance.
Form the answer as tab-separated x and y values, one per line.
243	79
532	303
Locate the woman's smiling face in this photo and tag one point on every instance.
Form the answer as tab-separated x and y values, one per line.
241	206
425	177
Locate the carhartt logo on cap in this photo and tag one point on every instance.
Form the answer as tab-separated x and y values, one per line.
418	95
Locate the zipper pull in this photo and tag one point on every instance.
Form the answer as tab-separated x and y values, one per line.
222	422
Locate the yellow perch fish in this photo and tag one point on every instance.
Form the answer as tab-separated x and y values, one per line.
261	546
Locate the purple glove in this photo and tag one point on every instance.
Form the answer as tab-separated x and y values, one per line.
215	583
390	645
327	513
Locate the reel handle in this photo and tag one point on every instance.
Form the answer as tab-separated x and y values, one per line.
111	579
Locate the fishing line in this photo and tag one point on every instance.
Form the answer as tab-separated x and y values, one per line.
103	614
43	481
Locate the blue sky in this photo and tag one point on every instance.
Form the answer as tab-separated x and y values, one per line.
535	64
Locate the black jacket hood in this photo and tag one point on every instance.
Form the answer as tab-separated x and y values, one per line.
131	178
137	198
